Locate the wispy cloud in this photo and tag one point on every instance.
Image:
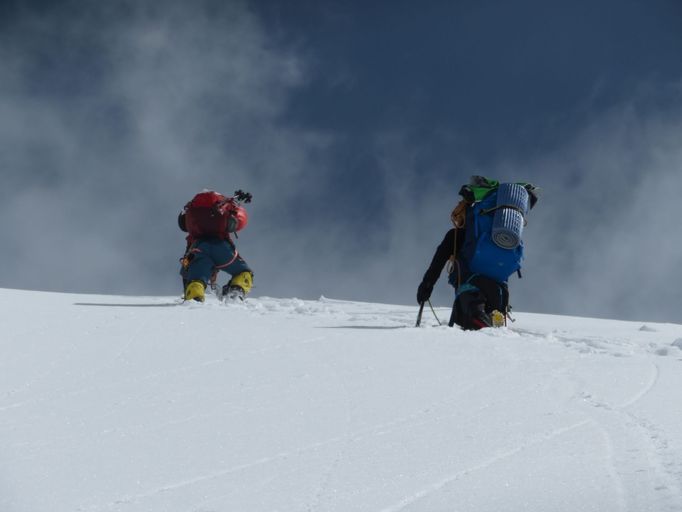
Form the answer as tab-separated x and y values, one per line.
604	240
112	117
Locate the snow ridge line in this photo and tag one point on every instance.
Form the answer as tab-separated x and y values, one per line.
436	486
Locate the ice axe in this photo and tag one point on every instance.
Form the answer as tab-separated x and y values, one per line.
421	310
419	315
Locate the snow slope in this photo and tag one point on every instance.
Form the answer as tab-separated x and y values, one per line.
141	404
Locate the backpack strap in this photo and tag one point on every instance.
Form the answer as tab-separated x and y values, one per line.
510	206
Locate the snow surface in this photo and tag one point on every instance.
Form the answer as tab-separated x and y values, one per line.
143	404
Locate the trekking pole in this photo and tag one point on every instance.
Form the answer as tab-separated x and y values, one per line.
419	315
434	313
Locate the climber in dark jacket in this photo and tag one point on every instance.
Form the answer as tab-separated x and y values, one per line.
480	281
477	296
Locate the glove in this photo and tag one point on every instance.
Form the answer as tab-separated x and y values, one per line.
424	292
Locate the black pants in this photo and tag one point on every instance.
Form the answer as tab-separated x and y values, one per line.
486	294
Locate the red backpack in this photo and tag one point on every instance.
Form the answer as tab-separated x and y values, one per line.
212	215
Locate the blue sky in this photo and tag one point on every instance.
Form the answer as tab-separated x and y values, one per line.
353	125
507	77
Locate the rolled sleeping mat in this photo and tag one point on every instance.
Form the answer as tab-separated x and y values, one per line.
512	207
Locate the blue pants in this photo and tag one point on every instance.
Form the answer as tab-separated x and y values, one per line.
210	254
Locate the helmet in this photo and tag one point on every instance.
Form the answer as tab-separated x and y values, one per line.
238	219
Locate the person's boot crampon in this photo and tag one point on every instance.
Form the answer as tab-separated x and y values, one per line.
233	293
480	319
238	287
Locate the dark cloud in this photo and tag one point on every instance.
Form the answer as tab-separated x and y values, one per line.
606	241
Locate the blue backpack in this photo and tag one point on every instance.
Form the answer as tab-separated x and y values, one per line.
495	217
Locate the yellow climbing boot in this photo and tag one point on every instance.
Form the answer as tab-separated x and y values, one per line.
243	281
195	290
497	318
